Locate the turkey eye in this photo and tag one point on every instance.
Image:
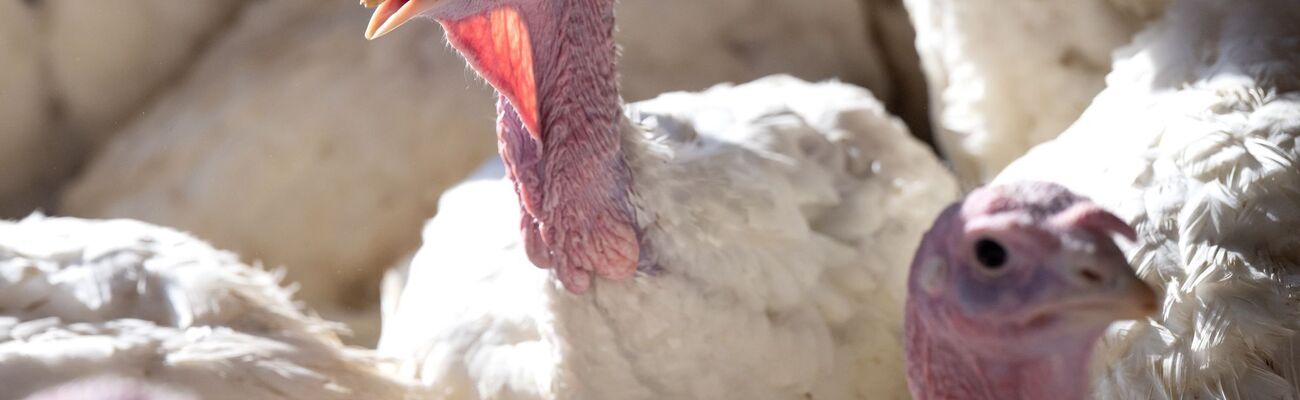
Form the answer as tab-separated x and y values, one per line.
990	253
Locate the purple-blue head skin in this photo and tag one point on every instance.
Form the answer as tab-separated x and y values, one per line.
559	122
1010	290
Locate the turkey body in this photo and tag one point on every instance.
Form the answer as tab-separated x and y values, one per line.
81	299
781	215
1195	142
1007	75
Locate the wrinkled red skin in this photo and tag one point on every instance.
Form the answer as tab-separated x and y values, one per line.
559	131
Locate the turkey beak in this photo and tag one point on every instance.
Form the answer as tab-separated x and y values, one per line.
1092	282
1100	287
1129	299
1096	276
391	14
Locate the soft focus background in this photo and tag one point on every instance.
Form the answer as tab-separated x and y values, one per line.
274	129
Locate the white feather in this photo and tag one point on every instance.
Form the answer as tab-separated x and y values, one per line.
81	298
1006	75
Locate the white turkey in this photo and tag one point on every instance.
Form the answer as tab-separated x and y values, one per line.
264	147
1196	141
1006	75
81	299
748	242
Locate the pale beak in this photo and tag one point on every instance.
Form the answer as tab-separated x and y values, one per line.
1131	300
393	13
1092	283
1103	293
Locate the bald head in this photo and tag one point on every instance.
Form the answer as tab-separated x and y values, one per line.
1017	276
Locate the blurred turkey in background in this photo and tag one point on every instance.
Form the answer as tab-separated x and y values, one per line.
1000	88
253	124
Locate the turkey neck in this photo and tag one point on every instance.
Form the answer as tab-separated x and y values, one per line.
574	58
572	179
941	367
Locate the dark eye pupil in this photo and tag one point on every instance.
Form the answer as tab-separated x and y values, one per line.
990	253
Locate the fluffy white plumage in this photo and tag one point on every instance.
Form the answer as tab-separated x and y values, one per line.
82	298
782	215
1009	74
1196	140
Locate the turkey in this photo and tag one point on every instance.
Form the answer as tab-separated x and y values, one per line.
1196	142
748	241
1007	75
1009	292
242	152
26	181
80	299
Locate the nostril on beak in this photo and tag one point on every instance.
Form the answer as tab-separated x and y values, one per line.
1090	276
